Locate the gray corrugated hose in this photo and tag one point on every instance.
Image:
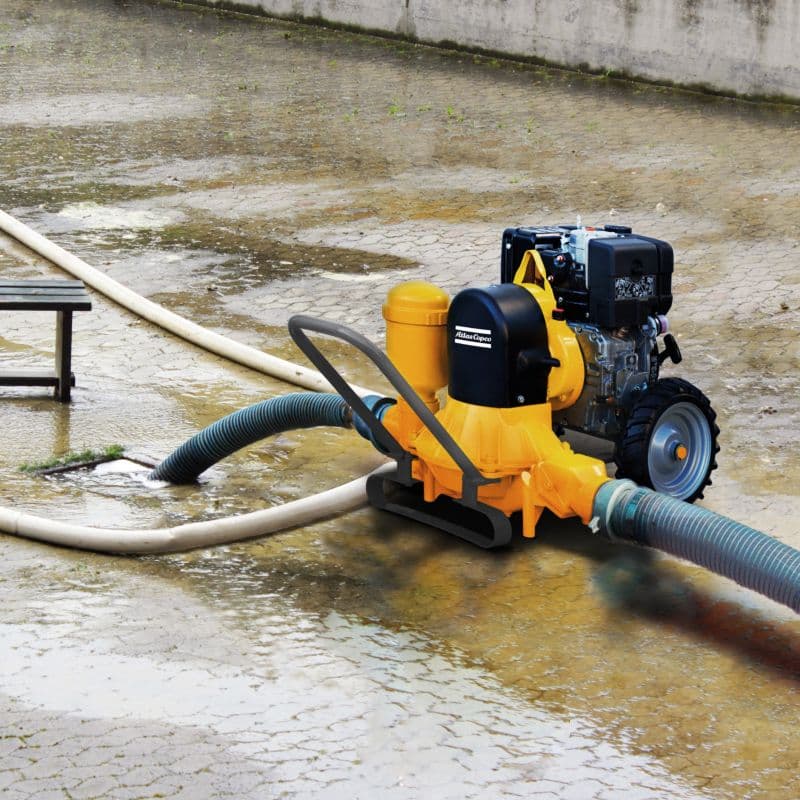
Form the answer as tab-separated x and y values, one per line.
626	512
241	428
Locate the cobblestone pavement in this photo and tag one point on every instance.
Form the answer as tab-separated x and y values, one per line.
164	697
240	171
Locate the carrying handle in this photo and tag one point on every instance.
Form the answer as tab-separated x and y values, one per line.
532	270
298	324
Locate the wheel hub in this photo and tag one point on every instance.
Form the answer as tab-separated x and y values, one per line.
680	450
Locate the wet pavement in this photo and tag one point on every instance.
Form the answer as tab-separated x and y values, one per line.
239	171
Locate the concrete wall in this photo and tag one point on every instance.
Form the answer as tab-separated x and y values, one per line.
747	47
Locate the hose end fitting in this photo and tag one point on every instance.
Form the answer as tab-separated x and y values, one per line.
608	497
625	512
378	405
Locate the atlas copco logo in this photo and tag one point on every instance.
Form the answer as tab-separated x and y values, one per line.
473	337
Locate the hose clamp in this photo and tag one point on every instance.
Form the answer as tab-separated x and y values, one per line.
605	501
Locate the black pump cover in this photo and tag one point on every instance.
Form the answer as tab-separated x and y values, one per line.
497	347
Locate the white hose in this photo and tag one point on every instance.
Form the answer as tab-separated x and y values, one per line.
193	534
168	320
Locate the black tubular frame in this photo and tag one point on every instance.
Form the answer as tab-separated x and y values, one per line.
472	478
449	519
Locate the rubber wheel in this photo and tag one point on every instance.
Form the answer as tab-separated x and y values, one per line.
670	440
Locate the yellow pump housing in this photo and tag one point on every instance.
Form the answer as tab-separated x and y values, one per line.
533	469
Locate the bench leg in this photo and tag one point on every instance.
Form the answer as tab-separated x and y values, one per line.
64	355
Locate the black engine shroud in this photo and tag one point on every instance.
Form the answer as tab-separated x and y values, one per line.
621	279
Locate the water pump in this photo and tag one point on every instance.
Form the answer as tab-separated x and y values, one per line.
485	388
488	383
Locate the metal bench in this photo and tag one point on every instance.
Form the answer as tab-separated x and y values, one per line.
63	297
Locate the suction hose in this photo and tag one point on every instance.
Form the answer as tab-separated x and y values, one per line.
195	534
624	511
248	425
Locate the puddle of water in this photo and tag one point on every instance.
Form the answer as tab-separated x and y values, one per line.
382	708
79	110
96	217
540	617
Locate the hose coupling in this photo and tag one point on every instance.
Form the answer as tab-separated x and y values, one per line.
607	499
378	405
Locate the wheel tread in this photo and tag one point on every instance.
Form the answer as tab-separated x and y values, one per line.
632	446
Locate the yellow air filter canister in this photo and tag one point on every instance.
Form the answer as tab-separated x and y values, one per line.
416	336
